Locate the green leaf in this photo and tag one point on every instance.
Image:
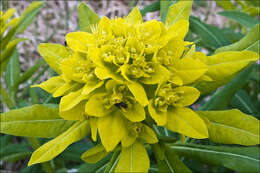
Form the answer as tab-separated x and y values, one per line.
241	159
226	4
28	15
178	11
53	54
87	17
14	152
8	37
133	159
113	161
5	140
211	36
6	54
164	6
16	156
98	167
155	6
34	121
254	47
30	72
241	100
232	35
222	67
74	151
95	154
223	96
171	162
54	147
12	71
251	39
9	49
240	17
232	127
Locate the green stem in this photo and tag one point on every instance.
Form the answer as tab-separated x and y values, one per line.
47	165
25	89
111	165
6	98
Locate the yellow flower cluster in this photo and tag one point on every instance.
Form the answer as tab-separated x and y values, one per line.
124	66
125	77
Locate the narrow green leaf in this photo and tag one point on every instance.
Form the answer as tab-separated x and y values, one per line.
31	71
98	167
211	36
245	43
171	162
14	157
12	71
155	6
164	6
226	4
14	152
254	47
232	35
240	17
7	53
241	100
222	97
87	17
5	97
232	127
5	140
74	151
8	37
241	159
29	15
113	161
34	96
54	147
34	121
94	154
9	49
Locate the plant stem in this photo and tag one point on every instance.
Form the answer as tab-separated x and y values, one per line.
6	98
36	144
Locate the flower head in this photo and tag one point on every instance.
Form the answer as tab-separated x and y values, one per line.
105	75
127	76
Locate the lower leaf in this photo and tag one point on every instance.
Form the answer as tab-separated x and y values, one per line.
242	159
34	121
232	127
54	147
